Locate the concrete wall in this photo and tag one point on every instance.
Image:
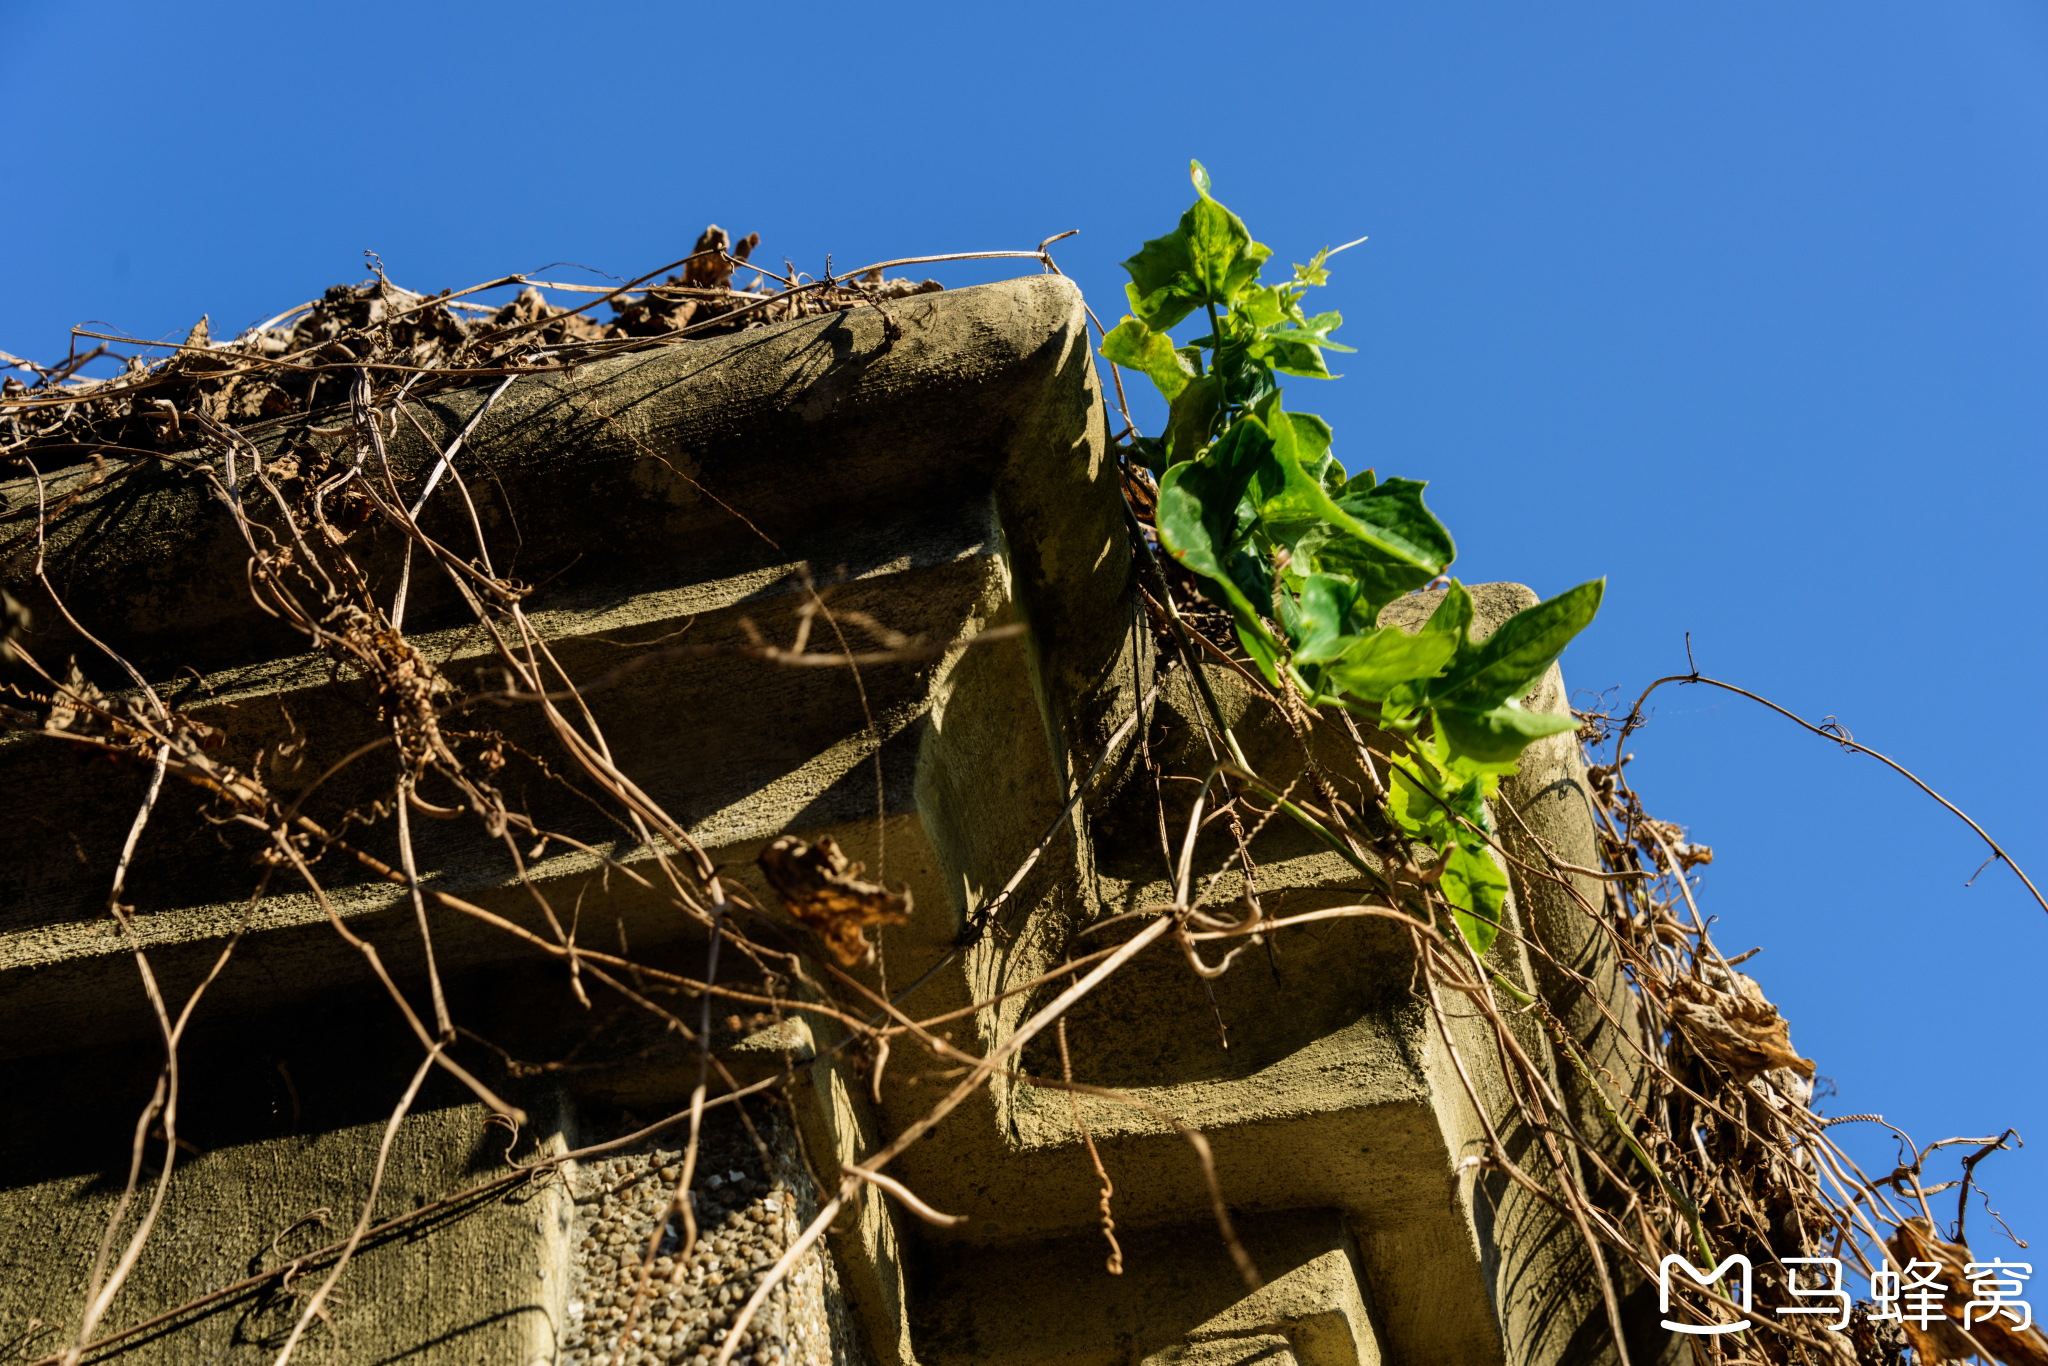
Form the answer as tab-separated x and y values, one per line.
949	481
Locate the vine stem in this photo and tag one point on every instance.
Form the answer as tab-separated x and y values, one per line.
1184	636
1216	332
1842	738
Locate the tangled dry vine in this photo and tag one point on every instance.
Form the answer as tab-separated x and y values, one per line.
1701	1143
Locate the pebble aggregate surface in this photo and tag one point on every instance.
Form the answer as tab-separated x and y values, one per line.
747	1214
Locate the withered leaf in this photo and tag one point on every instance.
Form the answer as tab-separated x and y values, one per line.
823	890
74	707
709	272
1916	1240
1664	841
1731	1022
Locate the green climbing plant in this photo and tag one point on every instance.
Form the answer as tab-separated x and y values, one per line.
1304	556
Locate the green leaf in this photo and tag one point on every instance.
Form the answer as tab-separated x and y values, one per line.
1380	535
1376	662
1265	307
1246	448
1199	173
1191	417
1477	891
1453	614
1304	438
1187	493
1137	347
1315	273
1308	440
1298	350
1414	809
1498	735
1513	658
1163	287
1292	358
1226	259
1383	536
1325	610
1315	331
1247	381
1287	610
1392	517
1308	443
1331	475
1208	259
1390	520
1301	440
1259	645
1204	519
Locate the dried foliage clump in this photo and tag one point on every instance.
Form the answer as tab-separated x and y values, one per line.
310	355
1710	1145
1732	1158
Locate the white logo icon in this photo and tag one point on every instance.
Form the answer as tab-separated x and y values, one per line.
1704	1278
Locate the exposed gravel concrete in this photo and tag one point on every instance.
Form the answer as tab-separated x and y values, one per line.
748	1211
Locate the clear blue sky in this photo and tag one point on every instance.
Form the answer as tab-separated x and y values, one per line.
1742	305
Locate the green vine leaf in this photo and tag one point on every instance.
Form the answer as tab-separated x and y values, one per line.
1191	418
1327	606
1163	289
1226	259
1377	664
1247	381
1384	536
1204	262
1268	306
1294	358
1513	658
1477	891
1388	523
1415	812
1253	502
1135	346
1306	441
1298	350
1453	615
1205	521
1303	441
1499	735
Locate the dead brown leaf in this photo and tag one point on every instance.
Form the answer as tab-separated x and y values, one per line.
823	890
1671	837
715	272
1726	1018
1916	1241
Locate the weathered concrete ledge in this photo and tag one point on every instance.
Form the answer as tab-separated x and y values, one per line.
942	480
951	480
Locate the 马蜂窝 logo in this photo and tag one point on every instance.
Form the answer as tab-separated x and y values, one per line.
1702	1278
1912	1295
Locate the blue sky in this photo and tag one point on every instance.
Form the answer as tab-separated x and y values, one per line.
1742	305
